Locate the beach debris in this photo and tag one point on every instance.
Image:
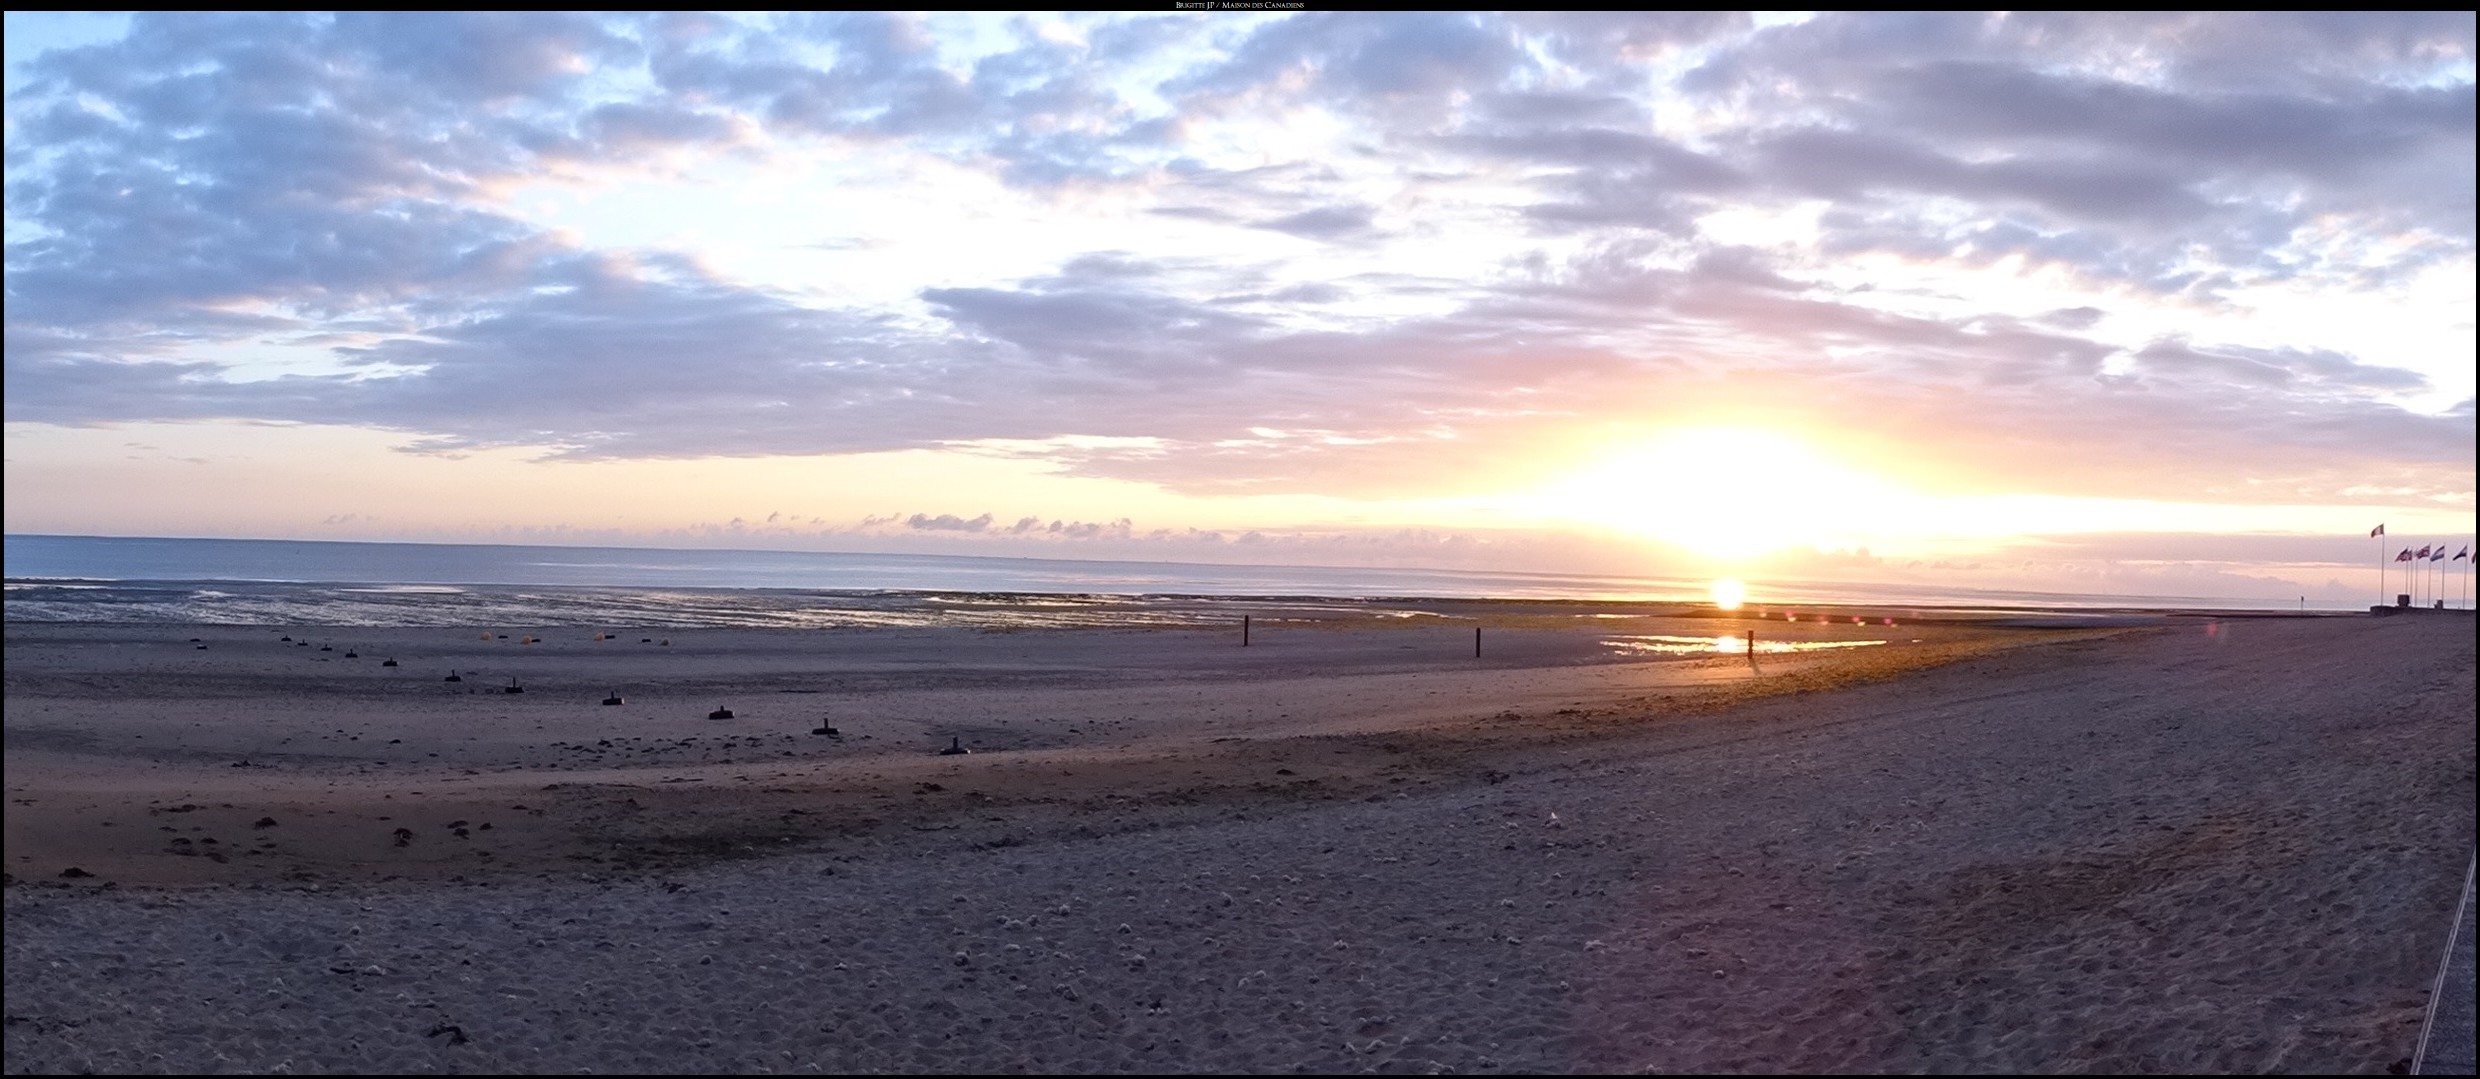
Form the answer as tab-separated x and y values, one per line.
720	713
263	822
826	727
327	648
454	677
389	663
955	748
455	1033
74	873
513	687
350	654
286	640
202	648
404	837
615	698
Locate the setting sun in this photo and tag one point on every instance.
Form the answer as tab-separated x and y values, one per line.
1729	594
1723	492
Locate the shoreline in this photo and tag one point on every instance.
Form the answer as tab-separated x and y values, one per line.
139	560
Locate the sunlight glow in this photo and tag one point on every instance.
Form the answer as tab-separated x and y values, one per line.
1729	594
1724	492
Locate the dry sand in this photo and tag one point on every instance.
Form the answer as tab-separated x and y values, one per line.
2208	845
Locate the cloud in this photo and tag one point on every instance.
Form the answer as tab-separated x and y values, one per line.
1323	223
212	190
1370	60
2034	115
947	522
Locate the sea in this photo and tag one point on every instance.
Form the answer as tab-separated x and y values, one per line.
179	581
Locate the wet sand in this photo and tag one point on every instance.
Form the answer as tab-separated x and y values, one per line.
2201	845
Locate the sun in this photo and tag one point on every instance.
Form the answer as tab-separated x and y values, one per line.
1727	493
1729	594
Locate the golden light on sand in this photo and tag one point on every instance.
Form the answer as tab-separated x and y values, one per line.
1729	594
1723	492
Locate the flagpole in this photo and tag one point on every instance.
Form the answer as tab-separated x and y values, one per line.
2378	534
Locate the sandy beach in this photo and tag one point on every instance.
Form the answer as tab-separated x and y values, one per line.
2183	844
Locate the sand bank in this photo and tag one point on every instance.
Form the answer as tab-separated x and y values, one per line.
2213	846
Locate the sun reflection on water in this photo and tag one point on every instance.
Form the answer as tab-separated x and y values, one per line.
1660	644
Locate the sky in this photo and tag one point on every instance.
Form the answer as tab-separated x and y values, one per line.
2174	304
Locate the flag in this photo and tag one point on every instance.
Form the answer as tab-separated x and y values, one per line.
2405	556
2440	556
2423	551
2463	554
2376	532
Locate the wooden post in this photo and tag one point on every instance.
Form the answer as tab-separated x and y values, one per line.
1476	642
1752	644
1244	631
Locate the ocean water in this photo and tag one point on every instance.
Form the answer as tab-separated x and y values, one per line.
302	582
